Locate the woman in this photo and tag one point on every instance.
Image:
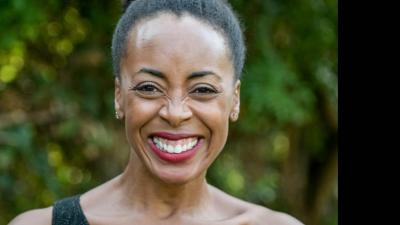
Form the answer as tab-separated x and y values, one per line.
177	85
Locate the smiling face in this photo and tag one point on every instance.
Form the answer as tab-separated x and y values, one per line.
176	94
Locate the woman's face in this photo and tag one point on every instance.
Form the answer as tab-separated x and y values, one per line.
177	92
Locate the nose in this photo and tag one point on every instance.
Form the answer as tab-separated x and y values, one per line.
175	112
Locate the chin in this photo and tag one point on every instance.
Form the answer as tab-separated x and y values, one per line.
176	176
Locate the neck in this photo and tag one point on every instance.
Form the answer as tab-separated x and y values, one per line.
146	192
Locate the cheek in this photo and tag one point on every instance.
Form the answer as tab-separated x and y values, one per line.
138	112
214	115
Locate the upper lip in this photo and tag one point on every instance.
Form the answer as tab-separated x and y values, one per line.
173	136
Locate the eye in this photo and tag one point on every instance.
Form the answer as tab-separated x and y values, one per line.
147	90
204	91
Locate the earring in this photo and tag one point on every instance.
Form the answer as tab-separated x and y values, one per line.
234	116
117	115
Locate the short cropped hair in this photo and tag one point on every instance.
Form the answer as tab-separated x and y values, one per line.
217	13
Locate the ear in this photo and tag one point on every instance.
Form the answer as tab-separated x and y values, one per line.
118	99
236	103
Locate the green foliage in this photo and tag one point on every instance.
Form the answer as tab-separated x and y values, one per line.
58	136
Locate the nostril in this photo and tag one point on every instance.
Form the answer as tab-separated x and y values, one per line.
175	112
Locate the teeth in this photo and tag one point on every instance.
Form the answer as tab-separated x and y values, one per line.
178	149
170	149
175	147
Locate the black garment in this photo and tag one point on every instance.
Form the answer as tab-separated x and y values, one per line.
68	211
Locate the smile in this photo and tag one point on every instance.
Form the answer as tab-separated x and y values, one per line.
175	147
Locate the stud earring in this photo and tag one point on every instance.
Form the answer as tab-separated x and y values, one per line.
234	116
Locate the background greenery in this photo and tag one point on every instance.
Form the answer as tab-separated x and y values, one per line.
58	135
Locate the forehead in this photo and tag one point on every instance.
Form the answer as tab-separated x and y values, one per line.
181	40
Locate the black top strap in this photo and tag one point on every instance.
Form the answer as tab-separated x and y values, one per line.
68	211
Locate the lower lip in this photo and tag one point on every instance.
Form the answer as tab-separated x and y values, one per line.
175	157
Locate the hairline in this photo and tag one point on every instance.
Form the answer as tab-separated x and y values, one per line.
156	14
228	25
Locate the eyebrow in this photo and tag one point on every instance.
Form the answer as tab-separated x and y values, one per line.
193	75
153	72
204	73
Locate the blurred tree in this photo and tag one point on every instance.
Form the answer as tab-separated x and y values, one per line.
58	136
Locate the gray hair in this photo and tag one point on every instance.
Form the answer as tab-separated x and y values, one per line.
217	13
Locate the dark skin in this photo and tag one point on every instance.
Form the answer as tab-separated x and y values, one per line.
176	79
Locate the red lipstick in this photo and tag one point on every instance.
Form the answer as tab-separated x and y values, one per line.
175	157
172	136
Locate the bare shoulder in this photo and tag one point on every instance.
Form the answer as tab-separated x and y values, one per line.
252	214
265	216
34	217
